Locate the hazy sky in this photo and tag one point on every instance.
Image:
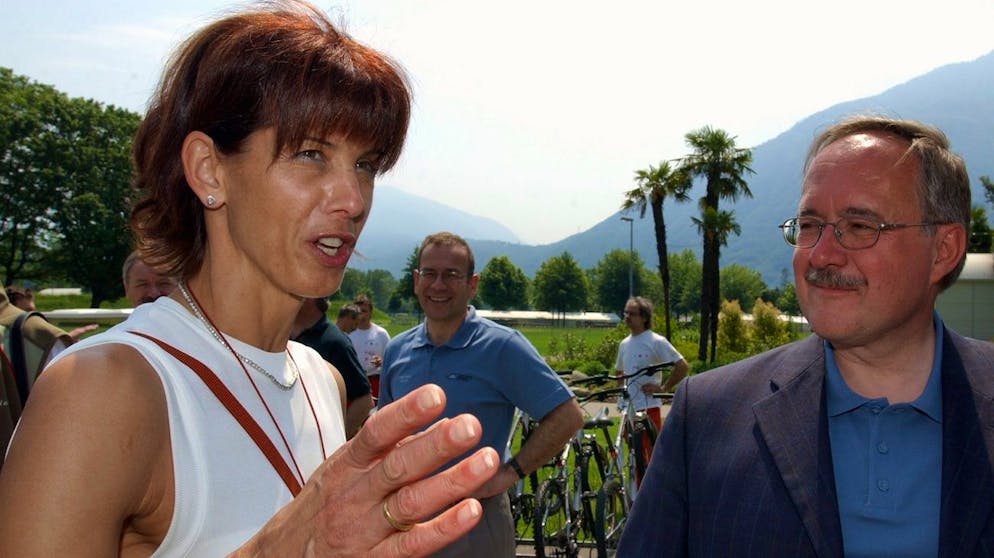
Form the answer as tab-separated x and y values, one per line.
536	114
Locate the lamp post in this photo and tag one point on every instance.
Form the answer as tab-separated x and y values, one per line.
631	256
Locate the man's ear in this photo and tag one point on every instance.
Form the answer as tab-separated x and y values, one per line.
950	245
474	280
201	168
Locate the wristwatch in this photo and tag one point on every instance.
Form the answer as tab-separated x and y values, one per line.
517	467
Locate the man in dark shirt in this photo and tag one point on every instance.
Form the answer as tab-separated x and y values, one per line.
312	328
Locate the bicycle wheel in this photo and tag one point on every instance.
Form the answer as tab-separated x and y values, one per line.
522	498
611	513
553	531
590	466
640	448
522	494
519	502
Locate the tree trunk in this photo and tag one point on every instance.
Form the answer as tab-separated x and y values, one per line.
715	302
664	264
706	296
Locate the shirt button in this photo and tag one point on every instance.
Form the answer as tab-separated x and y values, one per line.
875	410
882	447
883	485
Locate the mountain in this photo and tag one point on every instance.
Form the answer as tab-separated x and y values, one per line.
400	220
956	98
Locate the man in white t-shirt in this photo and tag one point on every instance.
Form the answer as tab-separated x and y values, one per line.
369	340
642	348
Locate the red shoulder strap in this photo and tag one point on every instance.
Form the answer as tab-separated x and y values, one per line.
236	409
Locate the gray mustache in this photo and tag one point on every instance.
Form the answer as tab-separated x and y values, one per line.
832	279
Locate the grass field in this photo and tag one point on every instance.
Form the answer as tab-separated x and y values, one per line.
541	337
544	339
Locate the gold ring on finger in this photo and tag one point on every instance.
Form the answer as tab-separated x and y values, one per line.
398	525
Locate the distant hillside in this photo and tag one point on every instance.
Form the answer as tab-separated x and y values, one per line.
400	220
956	98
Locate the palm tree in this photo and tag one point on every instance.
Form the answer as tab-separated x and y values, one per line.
655	184
715	226
716	159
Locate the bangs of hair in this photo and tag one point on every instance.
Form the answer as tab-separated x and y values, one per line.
291	69
347	90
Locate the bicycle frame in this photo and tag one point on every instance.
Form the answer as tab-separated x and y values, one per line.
521	501
615	497
559	494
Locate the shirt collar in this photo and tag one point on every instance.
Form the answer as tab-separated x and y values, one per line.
462	337
841	399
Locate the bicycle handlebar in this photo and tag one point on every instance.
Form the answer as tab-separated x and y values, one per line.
601	394
607	376
592	380
647	371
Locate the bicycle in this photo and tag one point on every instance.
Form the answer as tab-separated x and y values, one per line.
564	505
522	494
617	492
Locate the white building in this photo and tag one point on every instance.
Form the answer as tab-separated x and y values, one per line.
968	305
519	318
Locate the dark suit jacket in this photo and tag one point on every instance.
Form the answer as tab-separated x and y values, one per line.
743	466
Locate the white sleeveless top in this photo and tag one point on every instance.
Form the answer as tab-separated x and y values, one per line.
225	488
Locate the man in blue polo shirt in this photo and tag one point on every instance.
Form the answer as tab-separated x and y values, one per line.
485	369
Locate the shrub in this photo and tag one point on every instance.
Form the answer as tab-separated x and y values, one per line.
732	332
768	330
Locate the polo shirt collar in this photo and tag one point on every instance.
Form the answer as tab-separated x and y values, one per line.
460	340
841	399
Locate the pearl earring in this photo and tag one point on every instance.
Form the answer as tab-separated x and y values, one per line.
211	200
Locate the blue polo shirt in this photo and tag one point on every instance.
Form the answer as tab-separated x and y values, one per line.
486	369
888	465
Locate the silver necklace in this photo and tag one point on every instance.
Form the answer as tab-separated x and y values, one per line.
224	342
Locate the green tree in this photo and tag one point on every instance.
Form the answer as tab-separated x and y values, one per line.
988	189
503	285
980	232
788	300
560	285
685	268
31	191
92	226
403	293
649	284
65	171
714	158
609	278
654	185
380	284
715	227
742	284
353	283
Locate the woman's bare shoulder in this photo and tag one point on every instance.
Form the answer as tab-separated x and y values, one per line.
91	446
115	376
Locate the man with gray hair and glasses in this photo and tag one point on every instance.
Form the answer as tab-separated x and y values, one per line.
872	436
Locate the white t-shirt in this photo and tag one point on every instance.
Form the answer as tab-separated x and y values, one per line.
369	343
639	351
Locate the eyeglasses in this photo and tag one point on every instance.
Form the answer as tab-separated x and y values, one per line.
854	233
449	276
